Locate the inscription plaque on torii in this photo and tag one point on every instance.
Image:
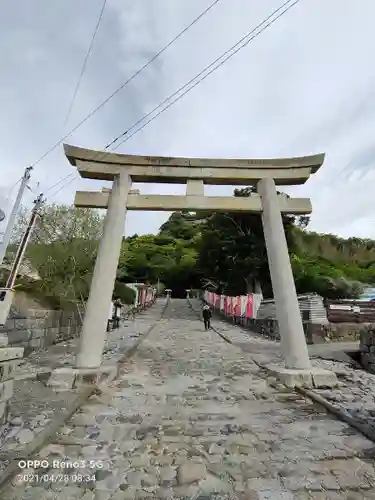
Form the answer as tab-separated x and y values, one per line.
123	169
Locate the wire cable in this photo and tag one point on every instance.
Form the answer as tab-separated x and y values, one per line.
234	48
12	187
85	62
59	182
64	186
52	148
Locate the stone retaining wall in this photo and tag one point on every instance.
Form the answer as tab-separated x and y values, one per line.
314	333
38	328
10	357
367	347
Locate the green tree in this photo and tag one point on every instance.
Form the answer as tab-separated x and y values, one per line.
63	249
232	251
224	251
168	257
232	256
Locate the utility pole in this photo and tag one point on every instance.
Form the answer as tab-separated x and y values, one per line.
25	240
6	294
8	232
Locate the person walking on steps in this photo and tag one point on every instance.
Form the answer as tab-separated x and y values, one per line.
110	316
207	316
117	312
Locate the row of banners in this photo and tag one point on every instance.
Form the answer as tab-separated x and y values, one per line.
241	306
146	295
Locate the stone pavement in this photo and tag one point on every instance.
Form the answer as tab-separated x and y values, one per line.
33	405
356	392
193	417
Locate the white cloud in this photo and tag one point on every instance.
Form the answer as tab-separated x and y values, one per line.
303	86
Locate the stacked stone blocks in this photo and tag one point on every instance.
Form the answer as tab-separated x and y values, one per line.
39	328
367	347
10	357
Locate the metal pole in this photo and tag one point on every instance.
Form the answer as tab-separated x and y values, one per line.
8	232
25	240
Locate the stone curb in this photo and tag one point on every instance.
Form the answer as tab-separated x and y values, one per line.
39	376
51	429
340	414
317	398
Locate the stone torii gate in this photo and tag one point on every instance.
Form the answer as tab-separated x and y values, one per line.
196	172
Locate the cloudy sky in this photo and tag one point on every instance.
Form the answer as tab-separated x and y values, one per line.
306	85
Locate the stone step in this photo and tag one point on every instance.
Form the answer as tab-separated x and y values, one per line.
9	353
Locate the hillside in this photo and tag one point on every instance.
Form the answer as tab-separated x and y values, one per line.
225	252
346	262
228	252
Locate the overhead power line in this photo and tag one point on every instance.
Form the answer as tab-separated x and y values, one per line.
245	40
52	148
58	182
219	61
13	186
85	62
66	184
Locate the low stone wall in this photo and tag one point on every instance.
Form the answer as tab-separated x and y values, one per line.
10	357
270	328
336	332
314	333
367	347
38	328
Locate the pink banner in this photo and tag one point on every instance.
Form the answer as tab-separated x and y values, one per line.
237	311
232	305
227	304
241	305
249	307
217	302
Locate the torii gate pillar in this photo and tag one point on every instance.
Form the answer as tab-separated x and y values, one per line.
292	337
103	280
298	369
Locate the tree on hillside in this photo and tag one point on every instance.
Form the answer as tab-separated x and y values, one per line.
233	253
63	249
168	257
181	225
62	223
225	251
233	256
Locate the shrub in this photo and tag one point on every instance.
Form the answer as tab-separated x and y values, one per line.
126	294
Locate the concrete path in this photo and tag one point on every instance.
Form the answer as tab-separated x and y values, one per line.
192	417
